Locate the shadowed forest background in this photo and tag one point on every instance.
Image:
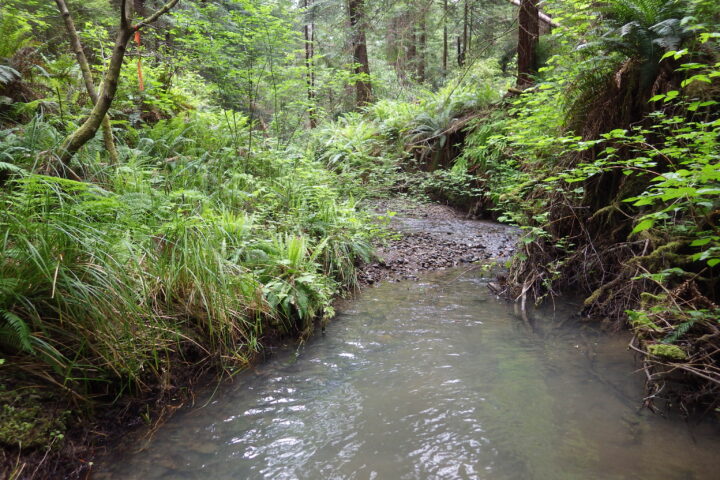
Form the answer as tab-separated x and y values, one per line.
185	182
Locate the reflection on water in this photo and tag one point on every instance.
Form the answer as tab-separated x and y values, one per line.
433	380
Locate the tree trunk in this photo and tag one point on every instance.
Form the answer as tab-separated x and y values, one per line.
460	59
89	128
465	32
445	38
528	33
87	77
470	29
309	36
412	49
360	55
422	47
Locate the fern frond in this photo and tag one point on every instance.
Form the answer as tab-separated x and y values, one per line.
9	167
8	75
16	332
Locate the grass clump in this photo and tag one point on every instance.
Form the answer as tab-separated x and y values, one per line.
187	252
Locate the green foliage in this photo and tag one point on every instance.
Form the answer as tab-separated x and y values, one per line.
644	28
184	247
443	112
355	147
15	32
8	75
610	166
224	222
28	420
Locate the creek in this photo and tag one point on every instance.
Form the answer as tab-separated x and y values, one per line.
433	379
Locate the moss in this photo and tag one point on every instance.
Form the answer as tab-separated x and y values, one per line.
647	299
672	352
595	296
663	256
27	421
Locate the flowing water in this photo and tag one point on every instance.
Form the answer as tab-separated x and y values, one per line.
433	379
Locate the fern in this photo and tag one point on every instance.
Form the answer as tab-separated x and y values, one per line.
644	29
8	75
9	167
15	333
681	330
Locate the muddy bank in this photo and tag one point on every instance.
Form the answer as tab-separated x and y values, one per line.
433	237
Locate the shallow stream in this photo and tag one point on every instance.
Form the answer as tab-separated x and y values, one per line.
434	379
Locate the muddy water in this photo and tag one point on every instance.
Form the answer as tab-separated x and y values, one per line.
433	379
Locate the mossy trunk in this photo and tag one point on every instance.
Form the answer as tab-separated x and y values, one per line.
89	128
77	47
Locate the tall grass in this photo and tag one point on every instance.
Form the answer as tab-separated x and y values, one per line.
189	249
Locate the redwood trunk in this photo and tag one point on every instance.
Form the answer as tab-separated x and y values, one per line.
528	33
360	55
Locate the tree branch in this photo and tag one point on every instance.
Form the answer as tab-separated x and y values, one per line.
152	18
87	76
87	130
543	17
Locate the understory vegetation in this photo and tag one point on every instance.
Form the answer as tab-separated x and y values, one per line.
227	201
610	165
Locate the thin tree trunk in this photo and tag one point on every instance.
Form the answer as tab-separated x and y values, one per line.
87	77
89	128
460	59
412	48
470	29
422	47
394	47
465	32
528	33
360	55
445	38
309	37
312	65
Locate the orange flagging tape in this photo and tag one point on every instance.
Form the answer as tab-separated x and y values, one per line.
141	84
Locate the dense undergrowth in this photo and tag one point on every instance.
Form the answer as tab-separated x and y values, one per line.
185	254
214	233
623	199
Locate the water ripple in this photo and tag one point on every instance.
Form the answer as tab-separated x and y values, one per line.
431	380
